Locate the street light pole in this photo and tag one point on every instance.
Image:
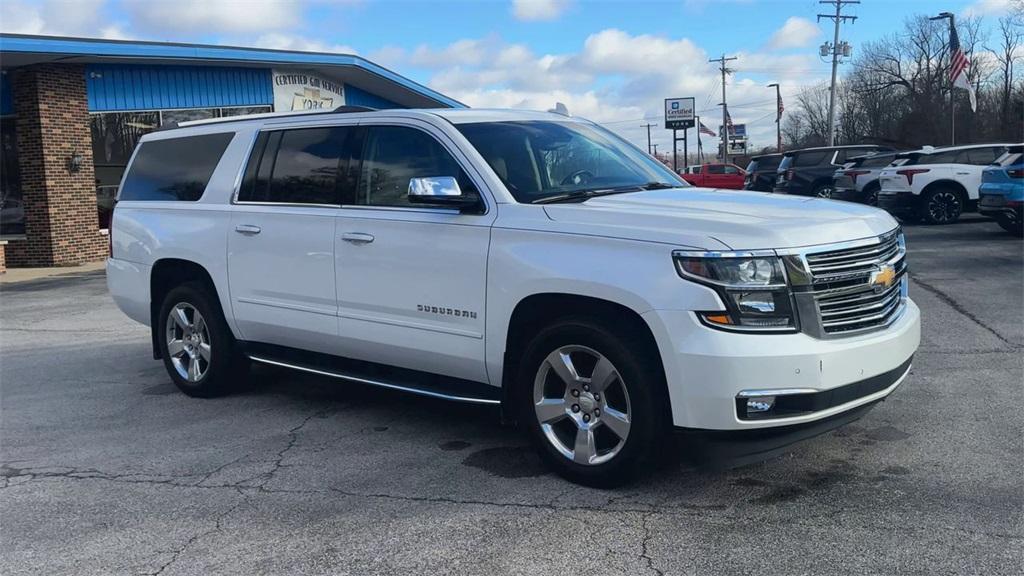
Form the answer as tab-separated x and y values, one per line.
952	101
778	117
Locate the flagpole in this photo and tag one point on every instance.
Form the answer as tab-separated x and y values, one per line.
952	87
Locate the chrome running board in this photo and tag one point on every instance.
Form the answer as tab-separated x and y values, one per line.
333	373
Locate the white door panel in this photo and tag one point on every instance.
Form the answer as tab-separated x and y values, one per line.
411	289
281	275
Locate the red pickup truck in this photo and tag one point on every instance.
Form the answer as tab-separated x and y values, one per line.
715	176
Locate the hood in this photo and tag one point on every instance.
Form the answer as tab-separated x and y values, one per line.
739	220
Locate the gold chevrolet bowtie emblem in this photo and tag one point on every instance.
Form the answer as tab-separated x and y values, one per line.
883	277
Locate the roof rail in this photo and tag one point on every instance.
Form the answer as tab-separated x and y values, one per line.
242	118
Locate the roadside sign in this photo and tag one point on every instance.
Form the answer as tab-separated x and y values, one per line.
738	131
679	114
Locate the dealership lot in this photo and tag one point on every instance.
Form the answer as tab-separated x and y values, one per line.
106	468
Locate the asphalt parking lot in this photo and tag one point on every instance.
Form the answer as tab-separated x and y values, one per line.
107	469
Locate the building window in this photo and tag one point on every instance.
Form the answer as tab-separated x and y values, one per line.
12	210
115	135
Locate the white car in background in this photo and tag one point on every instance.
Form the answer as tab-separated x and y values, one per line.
935	185
857	180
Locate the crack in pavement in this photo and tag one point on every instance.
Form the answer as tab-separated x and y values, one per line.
645	554
176	554
952	303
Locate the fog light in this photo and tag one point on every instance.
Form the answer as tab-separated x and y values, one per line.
760	404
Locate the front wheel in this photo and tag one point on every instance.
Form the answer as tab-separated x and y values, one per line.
594	403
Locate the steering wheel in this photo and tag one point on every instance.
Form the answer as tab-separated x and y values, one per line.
578	177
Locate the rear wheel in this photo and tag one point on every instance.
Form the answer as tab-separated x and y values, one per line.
1014	226
593	402
871	194
823	191
197	346
941	205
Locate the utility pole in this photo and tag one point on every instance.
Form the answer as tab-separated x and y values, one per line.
648	137
725	110
778	117
837	50
655	150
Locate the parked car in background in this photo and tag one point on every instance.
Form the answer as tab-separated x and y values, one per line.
716	176
857	180
761	172
1002	190
935	185
809	172
529	261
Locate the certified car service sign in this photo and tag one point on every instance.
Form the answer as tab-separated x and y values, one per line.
296	90
679	113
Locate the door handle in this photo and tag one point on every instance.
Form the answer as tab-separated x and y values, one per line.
247	229
357	237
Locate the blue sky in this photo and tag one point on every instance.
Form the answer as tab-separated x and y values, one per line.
611	61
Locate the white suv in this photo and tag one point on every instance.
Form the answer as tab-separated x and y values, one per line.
528	260
935	185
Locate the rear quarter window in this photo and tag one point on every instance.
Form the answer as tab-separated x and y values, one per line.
174	168
811	158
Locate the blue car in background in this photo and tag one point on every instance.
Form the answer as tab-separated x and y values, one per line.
1002	190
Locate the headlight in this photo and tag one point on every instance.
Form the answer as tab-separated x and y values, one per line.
752	286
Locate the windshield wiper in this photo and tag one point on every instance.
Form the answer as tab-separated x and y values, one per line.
658	186
581	195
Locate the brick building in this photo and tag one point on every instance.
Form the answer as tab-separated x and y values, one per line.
72	110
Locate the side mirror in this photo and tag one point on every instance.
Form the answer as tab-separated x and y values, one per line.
440	191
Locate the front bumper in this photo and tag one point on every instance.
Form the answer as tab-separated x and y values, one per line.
899	203
707	369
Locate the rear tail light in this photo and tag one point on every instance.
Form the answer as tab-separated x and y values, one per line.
854	173
1018	173
909	173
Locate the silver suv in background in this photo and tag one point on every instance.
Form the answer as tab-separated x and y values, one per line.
857	181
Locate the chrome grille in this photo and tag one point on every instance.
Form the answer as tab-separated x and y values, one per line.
842	299
826	266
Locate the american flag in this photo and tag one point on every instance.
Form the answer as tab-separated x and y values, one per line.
960	66
705	130
781	108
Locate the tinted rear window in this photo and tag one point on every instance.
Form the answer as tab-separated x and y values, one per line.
763	164
174	168
812	158
877	161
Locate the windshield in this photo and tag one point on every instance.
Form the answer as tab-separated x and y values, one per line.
544	159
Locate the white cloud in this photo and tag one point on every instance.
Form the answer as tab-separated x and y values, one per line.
795	33
615	78
992	7
51	17
532	10
282	41
226	16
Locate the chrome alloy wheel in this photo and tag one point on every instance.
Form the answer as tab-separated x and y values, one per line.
188	342
582	405
944	206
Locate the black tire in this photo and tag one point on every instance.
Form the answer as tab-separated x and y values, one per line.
1015	227
941	205
871	194
642	377
823	191
224	368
